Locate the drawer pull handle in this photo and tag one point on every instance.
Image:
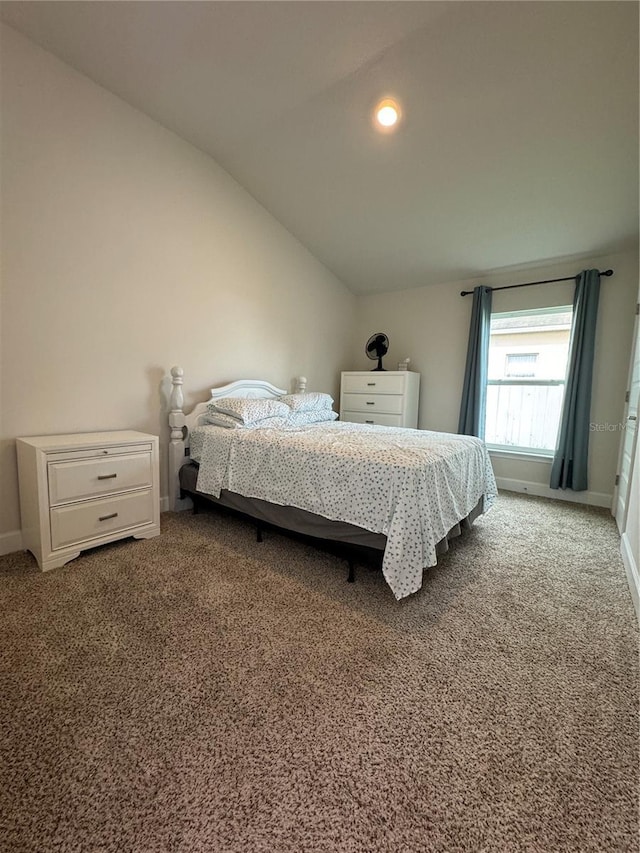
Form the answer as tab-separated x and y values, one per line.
107	517
368	422
370	404
107	476
371	384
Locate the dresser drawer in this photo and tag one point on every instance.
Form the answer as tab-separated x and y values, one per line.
372	418
373	383
93	519
88	478
390	403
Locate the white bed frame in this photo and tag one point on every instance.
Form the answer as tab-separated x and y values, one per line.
182	424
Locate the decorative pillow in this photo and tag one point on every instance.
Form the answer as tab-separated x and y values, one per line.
248	410
300	419
311	402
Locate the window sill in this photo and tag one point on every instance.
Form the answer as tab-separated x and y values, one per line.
523	455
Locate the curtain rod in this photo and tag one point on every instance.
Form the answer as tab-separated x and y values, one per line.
530	283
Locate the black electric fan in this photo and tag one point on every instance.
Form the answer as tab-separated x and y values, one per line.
377	347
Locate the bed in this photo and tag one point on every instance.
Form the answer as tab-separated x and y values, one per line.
403	492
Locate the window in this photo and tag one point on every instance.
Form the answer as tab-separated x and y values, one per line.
521	364
528	352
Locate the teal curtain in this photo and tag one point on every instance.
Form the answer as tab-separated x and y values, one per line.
569	469
474	392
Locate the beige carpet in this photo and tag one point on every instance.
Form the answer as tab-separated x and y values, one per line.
202	692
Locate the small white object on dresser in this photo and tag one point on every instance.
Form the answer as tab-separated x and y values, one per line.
85	489
387	397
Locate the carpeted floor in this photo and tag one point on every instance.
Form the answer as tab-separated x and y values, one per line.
202	692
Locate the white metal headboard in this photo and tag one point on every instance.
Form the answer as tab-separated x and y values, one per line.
182	424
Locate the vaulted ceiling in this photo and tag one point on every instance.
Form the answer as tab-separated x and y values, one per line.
519	138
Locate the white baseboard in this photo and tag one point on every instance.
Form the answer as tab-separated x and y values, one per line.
542	491
633	572
164	504
10	542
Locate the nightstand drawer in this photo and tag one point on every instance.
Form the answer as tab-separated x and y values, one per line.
97	452
88	478
94	519
372	418
373	383
390	403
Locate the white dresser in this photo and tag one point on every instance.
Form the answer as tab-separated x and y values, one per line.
82	490
388	398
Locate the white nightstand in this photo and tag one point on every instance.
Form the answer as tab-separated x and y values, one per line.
385	397
79	491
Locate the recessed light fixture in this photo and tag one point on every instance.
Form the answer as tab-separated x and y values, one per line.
387	114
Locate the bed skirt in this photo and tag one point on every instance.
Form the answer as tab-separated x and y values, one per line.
306	523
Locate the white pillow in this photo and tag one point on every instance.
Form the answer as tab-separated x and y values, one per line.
300	419
228	422
311	402
219	419
268	423
248	410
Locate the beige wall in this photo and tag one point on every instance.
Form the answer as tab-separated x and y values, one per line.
127	251
431	326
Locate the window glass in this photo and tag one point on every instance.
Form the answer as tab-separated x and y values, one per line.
528	354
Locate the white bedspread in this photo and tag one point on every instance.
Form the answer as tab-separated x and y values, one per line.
413	486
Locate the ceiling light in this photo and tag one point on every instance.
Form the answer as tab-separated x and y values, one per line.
387	114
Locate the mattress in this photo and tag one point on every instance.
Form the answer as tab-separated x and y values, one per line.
411	486
306	523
